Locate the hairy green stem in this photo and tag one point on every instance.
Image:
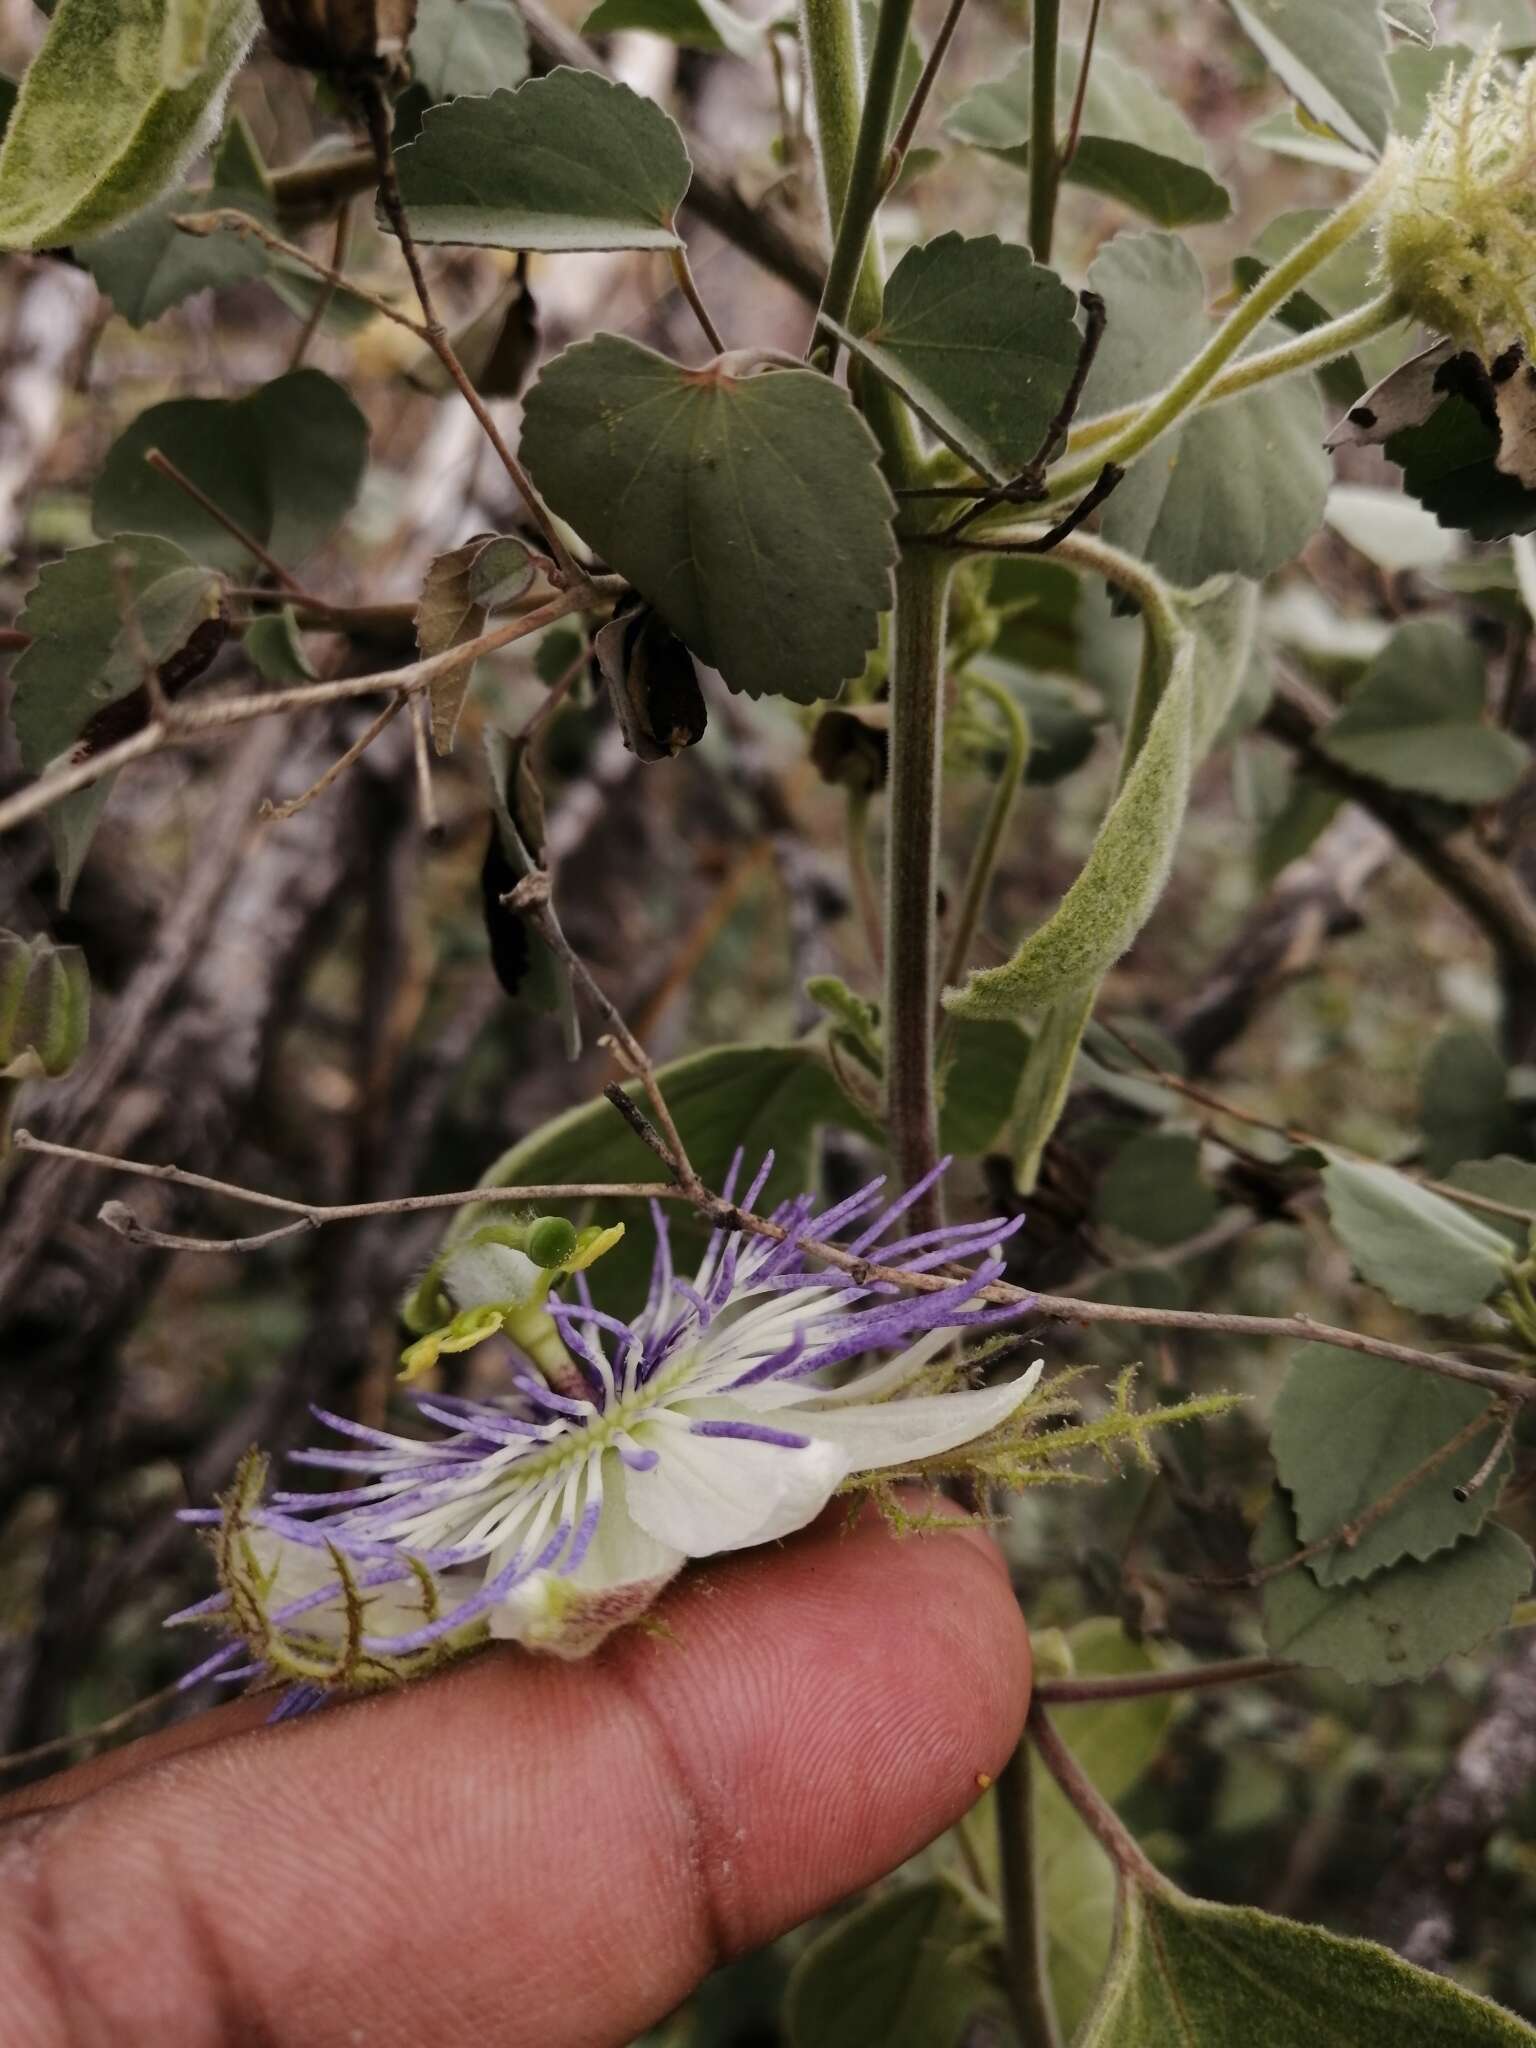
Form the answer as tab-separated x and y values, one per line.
1024	1952
1044	156
1305	352
1004	796
830	33
1193	382
1131	1863
911	869
850	286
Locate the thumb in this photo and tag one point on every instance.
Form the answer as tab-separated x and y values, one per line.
525	1851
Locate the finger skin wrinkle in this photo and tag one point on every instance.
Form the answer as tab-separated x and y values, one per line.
522	1851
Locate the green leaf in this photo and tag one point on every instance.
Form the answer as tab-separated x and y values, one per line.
468	46
97	133
285	462
82	656
1449	463
759	1097
571	161
1420	1248
981	341
1464	1106
1134	145
978	1086
1239	488
1154	1190
1398	1625
149	265
1347	1430
1332	59
1416	720
276	647
1203	1976
749	508
906	1969
695	24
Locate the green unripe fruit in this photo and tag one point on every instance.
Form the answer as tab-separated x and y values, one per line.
551	1241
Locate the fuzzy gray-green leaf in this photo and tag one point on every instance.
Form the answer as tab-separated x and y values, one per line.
97	133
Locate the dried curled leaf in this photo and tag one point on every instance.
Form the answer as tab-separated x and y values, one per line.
101	128
489	570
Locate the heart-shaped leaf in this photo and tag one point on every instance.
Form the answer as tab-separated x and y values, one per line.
981	341
284	462
97	132
1134	146
748	506
570	161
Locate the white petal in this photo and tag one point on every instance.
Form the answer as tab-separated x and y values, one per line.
900	1432
623	1572
713	1493
483	1275
875	1385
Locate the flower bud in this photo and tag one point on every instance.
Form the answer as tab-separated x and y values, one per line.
1458	232
45	1015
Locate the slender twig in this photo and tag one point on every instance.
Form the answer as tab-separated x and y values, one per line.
1518	1388
83	1738
1100	1818
1004	797
1140	1685
1075	124
1349	1534
687	284
230	220
277	813
341	236
1025	1962
901	141
1109	478
318	1213
164	466
531	900
1029	485
133	631
1293	1134
216	718
638	1122
377	111
1486	1470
